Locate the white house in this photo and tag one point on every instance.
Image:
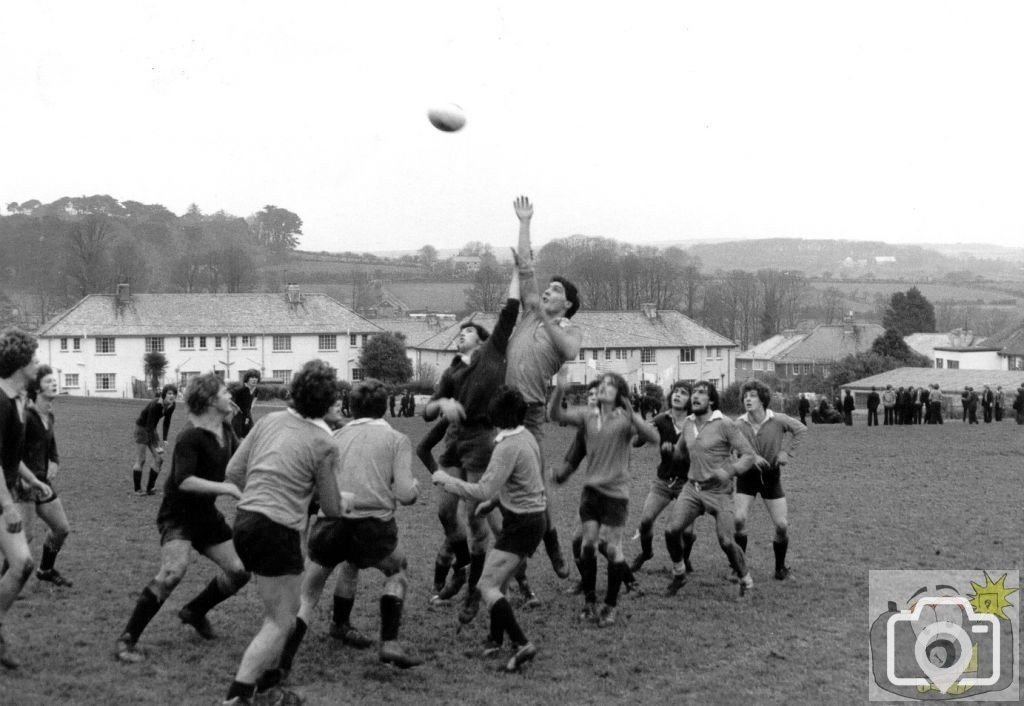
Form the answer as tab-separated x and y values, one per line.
652	345
97	347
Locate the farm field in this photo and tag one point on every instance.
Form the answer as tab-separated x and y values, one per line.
864	292
860	498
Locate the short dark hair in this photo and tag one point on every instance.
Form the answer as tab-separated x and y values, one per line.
482	333
170	387
314	389
712	391
507	408
17	349
36	384
251	373
763	393
201	392
369	398
572	295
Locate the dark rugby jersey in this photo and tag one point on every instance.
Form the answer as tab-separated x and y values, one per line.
40	443
670	468
196	453
151	415
12	438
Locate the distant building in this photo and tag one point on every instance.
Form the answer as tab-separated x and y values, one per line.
1010	342
814	352
650	345
98	345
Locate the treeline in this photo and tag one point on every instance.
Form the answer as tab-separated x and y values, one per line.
56	253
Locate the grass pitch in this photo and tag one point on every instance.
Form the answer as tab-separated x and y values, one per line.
860	498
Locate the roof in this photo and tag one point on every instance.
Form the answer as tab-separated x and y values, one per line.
416	330
609	329
1010	340
771	347
831	342
948	380
204	314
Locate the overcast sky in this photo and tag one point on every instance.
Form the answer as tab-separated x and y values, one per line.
897	121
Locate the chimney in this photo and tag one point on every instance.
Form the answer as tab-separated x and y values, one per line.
433	323
650	310
124	294
292	293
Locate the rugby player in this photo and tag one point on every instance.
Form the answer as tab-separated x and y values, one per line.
146	438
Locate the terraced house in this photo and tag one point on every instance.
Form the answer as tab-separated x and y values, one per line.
98	346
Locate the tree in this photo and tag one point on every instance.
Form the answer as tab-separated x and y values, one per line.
276	228
384	358
155	365
830	303
86	253
428	257
489	288
909	313
891	345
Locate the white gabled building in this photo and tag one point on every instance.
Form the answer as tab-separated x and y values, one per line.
97	346
650	345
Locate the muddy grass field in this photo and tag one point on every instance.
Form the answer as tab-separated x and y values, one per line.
882	498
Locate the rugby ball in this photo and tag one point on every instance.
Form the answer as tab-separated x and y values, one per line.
447	117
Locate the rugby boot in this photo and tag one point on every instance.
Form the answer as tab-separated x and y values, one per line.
471	607
746	585
781	574
127	651
199	622
451	589
351	636
607	617
524	653
392	652
53	576
675	585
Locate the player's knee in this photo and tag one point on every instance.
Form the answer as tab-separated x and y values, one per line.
23	569
588	550
170	576
741	524
58	535
781	529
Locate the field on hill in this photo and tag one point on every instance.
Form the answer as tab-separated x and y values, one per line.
860	498
865	292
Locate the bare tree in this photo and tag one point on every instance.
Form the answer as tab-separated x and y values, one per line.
86	253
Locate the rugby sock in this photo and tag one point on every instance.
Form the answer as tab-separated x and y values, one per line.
241	690
737	560
780	546
343	610
151	483
497	632
588	573
688	539
602	546
577	547
476	569
460	548
501	614
49	556
627	574
647	542
291	645
741	540
674	545
210	596
390	617
137	479
145	608
552	547
615	576
440	575
269	679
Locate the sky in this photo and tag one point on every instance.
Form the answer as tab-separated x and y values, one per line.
895	121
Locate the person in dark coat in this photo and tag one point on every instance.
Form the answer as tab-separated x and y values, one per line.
804	408
848	407
874	399
244	397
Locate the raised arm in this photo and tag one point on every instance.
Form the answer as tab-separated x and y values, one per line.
529	294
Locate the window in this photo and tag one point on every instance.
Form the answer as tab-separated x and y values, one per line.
285	375
953	364
70	379
621	354
233	341
366	337
938	362
282	343
328	342
248	341
353	339
187	343
76	344
686	355
105	381
718	353
63	344
218	342
202	343
583	354
187	377
154	344
646	355
758	365
357	374
607	353
593	354
771	366
105	345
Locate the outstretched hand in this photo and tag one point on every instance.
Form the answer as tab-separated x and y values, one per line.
523	207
